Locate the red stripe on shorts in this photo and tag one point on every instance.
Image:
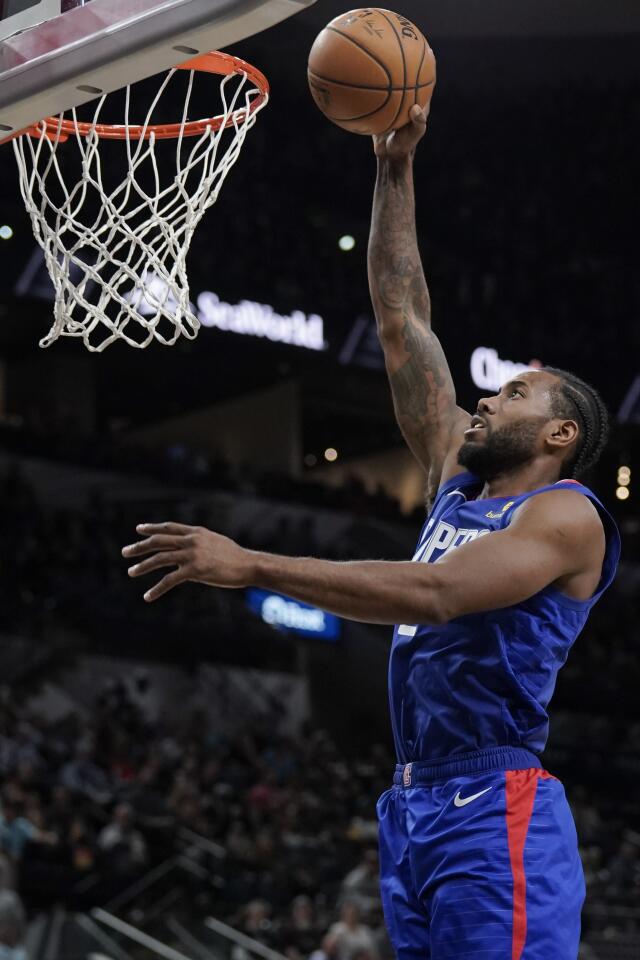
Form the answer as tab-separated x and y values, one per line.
521	786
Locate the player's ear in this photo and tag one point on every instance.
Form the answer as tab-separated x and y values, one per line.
562	433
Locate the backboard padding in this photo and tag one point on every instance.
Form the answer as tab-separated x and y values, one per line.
107	44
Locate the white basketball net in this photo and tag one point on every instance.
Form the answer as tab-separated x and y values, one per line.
117	256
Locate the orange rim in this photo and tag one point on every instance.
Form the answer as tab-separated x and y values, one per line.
215	62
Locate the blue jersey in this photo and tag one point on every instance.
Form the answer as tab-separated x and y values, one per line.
483	680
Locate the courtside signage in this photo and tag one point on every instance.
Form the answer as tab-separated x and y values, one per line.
292	615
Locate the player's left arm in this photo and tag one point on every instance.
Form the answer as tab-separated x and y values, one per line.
556	537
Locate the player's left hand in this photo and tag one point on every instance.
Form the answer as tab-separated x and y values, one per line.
198	554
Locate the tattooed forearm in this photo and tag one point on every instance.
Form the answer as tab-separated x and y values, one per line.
418	384
395	270
421	384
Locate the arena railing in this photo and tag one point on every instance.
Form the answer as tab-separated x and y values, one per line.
129	932
144	883
113	950
183	859
203	843
238	939
237	945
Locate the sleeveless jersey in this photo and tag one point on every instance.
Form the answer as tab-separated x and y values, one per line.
483	680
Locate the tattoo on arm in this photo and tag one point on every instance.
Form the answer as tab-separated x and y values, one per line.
421	384
417	383
397	277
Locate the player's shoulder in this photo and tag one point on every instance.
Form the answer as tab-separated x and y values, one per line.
564	508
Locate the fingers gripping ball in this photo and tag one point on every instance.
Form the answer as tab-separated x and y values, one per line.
368	67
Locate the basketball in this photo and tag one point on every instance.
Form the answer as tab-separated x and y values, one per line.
368	67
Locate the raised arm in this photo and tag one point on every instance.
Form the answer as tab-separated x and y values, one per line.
424	396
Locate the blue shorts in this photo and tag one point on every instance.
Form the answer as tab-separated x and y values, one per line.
479	859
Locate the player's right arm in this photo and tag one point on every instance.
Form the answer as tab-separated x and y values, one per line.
423	393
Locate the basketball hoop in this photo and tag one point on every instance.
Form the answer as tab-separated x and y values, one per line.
117	254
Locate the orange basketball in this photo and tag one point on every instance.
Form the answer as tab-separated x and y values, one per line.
368	67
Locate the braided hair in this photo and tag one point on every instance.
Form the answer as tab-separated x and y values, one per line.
573	399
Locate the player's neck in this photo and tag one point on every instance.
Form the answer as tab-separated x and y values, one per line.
522	480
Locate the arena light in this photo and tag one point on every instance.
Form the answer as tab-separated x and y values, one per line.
623	493
310	460
6	232
347	242
331	454
623	479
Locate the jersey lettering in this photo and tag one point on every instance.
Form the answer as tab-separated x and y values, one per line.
445	538
440	539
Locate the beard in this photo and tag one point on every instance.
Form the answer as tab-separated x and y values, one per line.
502	451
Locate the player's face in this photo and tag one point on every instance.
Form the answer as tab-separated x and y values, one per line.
508	430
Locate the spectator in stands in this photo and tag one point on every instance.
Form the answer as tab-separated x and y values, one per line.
123	845
361	885
300	930
257	923
12	926
328	949
16	831
83	776
240	844
265	795
352	936
81	846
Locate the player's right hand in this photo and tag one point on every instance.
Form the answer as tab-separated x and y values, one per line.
402	143
200	555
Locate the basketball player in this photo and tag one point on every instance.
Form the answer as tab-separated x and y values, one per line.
479	856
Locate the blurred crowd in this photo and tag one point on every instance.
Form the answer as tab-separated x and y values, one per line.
91	802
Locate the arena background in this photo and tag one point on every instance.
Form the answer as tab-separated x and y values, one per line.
216	757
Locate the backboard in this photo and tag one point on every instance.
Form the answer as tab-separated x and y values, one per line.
58	54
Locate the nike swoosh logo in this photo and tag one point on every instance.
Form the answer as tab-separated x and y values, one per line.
460	802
